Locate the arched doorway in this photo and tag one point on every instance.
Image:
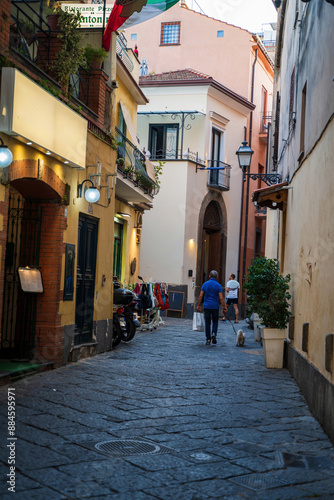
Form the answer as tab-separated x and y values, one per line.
212	231
212	242
34	224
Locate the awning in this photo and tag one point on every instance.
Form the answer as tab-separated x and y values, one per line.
274	197
132	131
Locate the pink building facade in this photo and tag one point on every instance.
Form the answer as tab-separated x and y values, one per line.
181	38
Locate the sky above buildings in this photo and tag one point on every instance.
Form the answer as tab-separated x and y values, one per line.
248	14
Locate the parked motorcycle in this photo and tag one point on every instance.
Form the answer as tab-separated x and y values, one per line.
125	306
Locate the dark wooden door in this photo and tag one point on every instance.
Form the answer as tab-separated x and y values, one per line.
215	258
86	267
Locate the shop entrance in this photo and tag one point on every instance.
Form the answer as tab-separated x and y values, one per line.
86	267
18	327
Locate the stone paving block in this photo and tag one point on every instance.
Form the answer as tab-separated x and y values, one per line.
183	492
76	453
157	462
219	489
156	387
36	494
29	455
37	436
320	488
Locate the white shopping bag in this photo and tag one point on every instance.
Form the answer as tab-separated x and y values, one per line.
198	322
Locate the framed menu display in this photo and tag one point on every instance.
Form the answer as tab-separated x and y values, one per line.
30	279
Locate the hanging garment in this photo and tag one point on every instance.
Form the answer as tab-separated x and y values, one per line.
145	301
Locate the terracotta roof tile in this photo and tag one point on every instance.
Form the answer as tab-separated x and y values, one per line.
184	75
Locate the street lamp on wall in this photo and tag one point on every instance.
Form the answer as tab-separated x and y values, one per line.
245	154
6	156
92	194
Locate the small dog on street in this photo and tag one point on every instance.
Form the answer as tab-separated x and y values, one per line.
240	338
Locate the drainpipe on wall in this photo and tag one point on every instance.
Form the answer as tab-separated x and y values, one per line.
247	191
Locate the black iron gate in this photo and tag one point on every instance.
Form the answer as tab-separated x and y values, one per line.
22	249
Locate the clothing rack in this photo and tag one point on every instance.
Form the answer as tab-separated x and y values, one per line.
150	317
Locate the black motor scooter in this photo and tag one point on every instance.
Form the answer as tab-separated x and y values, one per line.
125	305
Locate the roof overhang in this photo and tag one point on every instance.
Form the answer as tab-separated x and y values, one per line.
274	197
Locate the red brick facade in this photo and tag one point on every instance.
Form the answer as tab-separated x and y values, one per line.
32	178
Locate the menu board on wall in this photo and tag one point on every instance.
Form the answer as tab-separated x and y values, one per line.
30	279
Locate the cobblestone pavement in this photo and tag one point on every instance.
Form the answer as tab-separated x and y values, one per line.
166	417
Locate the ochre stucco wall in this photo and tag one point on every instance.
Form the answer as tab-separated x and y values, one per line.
309	249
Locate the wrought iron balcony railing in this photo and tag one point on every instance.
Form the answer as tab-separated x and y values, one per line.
131	164
219	175
121	50
265	121
177	154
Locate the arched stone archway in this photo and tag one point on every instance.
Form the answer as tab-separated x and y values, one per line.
212	236
34	224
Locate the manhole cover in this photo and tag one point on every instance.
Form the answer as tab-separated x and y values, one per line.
201	456
257	482
127	447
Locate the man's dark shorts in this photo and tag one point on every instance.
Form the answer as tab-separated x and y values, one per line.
231	301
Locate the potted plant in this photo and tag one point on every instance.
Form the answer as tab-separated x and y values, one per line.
120	162
94	56
52	14
268	296
70	56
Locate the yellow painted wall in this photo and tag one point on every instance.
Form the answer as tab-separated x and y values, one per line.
97	151
309	249
131	249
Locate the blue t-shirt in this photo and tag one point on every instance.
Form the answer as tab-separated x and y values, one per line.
211	291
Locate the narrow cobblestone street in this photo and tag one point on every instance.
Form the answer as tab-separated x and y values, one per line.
167	417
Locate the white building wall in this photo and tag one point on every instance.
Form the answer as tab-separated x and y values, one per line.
170	229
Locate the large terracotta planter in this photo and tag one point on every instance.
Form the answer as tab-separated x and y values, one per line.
273	346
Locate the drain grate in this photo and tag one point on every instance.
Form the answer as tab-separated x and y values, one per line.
128	447
257	482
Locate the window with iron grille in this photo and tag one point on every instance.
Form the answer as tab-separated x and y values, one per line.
170	33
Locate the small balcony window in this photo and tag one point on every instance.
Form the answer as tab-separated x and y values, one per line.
163	141
170	33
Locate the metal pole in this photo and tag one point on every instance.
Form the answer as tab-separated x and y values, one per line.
182	127
245	249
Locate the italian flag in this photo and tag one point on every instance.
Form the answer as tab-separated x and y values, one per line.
127	13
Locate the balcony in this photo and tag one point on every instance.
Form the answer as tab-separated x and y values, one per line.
219	175
133	182
35	46
177	154
265	126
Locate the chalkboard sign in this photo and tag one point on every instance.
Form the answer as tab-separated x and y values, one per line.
175	300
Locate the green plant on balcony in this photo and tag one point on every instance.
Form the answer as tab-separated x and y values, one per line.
144	181
70	56
120	162
94	57
158	169
129	171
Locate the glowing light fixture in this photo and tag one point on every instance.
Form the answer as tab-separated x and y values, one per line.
122	214
92	194
6	156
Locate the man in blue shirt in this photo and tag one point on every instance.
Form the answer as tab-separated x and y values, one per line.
211	295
